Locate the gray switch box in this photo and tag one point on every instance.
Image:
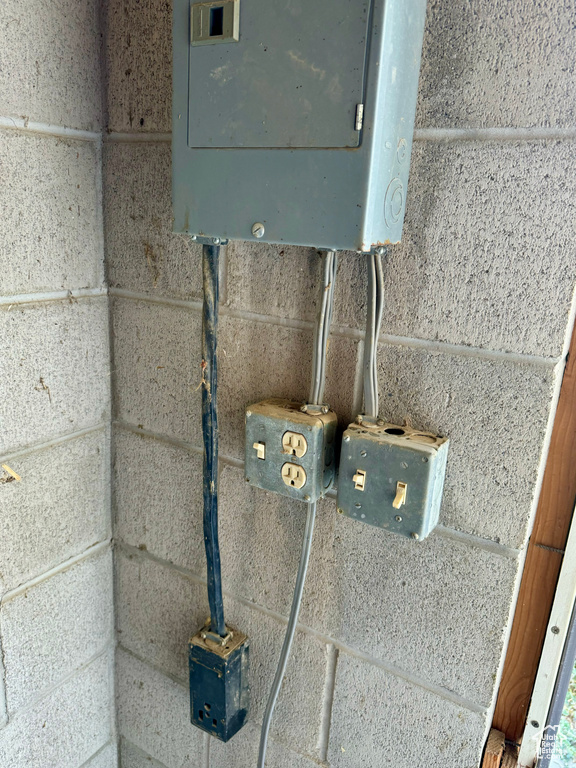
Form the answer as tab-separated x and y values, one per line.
288	450
392	477
297	115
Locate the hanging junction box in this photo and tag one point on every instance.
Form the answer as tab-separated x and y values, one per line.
293	120
219	692
392	477
290	448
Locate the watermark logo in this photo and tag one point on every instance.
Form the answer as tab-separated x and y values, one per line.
550	746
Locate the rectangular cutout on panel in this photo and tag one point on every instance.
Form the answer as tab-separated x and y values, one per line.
215	22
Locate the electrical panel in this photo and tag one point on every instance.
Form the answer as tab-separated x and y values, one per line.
290	448
392	477
293	121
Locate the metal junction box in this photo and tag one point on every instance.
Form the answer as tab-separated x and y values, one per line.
289	450
296	115
219	693
392	477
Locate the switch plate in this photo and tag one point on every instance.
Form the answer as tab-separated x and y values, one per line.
299	455
398	466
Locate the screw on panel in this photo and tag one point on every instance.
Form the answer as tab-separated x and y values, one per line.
347	438
306	498
535	724
340	511
398	519
415	536
555	630
258	229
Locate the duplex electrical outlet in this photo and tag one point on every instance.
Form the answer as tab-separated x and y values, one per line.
293	475
294	444
289	450
392	477
219	692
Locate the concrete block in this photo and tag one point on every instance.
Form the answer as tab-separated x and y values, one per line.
54	370
66	727
132	757
51	237
298	713
105	758
157	355
57	510
260	543
437	609
279	280
242	752
158	498
55	627
159	609
139	65
154	714
50	62
497	64
260	360
495	414
142	253
485	259
379	719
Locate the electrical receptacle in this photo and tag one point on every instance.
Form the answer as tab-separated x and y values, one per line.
392	477
293	475
294	444
289	450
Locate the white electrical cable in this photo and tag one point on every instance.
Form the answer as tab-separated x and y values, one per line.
317	394
374	313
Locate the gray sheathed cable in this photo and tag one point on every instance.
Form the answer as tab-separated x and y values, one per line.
317	393
374	312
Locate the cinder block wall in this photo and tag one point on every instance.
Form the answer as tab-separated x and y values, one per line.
400	646
56	607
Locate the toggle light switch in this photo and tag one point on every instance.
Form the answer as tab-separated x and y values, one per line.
260	449
359	479
400	497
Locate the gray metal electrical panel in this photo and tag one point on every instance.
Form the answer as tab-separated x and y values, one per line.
296	115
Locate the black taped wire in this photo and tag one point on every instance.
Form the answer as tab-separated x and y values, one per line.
210	258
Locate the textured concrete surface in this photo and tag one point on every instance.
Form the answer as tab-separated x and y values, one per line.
157	355
154	714
495	414
64	729
50	62
132	757
139	65
55	627
298	713
158	499
270	529
105	758
242	752
57	510
487	254
161	610
55	372
143	255
379	719
51	236
259	360
437	609
498	63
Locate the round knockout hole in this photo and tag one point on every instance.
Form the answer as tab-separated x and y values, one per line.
394	431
